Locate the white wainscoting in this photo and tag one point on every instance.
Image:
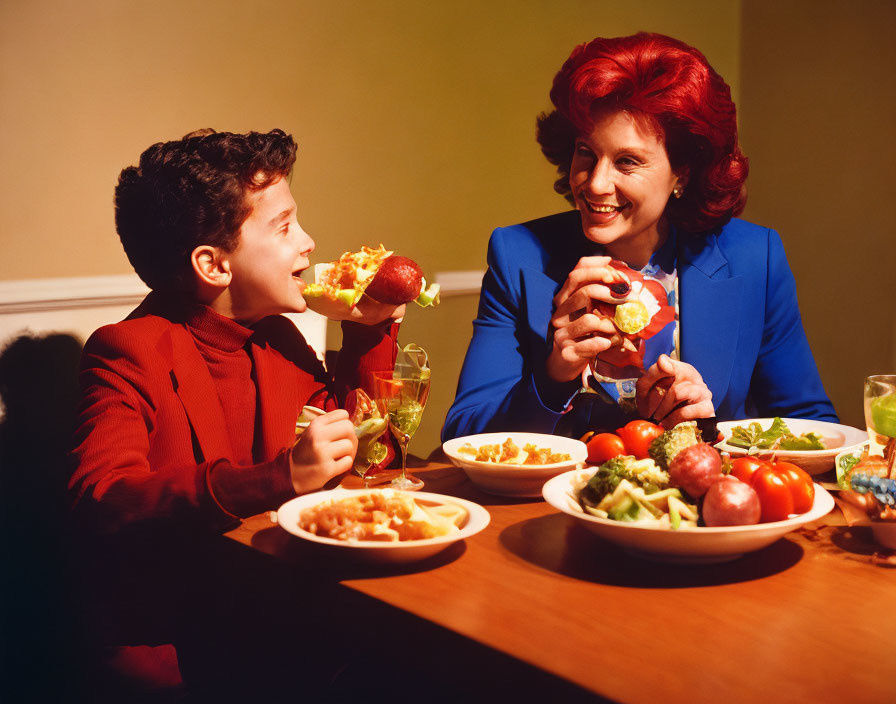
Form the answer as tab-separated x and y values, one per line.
79	305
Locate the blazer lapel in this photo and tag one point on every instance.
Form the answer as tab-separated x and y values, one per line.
710	315
277	399
194	386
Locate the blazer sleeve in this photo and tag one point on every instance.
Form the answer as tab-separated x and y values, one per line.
503	370
785	381
133	450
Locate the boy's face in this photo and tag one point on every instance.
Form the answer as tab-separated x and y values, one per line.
271	253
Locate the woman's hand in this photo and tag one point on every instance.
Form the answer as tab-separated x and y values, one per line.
326	449
580	332
671	392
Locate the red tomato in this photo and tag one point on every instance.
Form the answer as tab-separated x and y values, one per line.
745	467
637	436
774	494
783	488
603	447
801	487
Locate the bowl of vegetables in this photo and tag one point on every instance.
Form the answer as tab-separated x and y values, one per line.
682	503
810	444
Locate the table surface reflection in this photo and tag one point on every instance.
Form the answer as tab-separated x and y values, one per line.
810	617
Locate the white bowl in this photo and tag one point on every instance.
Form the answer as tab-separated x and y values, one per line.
885	533
515	479
688	545
383	552
838	438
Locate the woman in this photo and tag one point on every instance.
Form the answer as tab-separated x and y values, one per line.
644	137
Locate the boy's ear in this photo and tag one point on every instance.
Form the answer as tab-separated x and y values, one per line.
211	266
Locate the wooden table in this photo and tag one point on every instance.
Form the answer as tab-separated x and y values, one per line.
810	618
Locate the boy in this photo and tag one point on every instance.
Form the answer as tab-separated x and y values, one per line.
188	411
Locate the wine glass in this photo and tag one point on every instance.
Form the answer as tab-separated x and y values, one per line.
880	417
369	426
401	396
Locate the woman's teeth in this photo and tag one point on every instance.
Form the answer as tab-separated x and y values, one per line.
603	208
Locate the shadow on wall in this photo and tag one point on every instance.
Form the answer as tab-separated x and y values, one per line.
39	389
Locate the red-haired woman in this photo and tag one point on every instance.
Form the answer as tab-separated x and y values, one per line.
649	292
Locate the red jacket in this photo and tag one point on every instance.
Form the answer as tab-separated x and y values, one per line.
151	442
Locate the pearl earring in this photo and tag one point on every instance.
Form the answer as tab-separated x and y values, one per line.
677	191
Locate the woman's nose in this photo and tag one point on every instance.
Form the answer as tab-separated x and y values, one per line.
601	179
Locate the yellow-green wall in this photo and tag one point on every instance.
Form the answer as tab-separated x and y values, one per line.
415	120
818	99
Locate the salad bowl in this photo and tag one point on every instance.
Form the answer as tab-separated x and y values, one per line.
687	545
837	438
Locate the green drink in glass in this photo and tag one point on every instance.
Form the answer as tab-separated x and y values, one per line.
401	396
880	417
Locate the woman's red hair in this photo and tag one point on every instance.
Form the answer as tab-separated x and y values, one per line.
674	88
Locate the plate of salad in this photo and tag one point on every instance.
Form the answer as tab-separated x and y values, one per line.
809	444
682	502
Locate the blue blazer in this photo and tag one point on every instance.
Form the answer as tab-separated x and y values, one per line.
740	327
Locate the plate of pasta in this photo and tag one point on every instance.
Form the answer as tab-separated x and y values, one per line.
382	525
514	463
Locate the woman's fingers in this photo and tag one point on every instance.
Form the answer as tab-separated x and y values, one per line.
668	387
703	409
588	269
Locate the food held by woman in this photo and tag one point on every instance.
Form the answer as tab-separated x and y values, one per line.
649	299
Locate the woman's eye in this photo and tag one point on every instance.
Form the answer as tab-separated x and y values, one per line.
626	162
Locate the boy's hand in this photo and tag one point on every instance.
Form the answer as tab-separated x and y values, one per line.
369	312
326	449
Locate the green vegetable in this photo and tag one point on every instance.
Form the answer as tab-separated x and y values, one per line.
754	436
806	441
664	448
428	296
610	474
844	469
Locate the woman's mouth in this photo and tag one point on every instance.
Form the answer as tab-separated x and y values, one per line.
602	208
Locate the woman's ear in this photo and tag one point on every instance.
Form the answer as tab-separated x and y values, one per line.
211	266
682	182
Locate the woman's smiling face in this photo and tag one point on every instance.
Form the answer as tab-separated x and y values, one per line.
621	180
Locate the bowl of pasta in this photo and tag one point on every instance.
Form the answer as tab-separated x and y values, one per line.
382	525
514	463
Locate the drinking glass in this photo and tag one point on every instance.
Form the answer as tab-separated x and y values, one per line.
369	426
401	396
880	417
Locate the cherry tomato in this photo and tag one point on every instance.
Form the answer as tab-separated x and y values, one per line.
745	467
637	436
603	447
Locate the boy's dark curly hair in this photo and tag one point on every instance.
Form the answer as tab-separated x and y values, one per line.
191	192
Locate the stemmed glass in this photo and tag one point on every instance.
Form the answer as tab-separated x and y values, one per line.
401	396
369	426
880	417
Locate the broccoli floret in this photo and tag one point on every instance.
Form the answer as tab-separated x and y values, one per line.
664	448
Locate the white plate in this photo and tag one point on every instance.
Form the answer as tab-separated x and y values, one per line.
837	438
689	545
385	552
515	479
